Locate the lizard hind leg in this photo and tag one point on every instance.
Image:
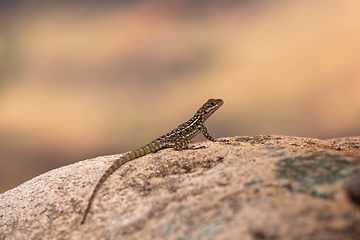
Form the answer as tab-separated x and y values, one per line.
185	146
181	145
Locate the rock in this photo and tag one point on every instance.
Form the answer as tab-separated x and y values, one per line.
353	186
263	187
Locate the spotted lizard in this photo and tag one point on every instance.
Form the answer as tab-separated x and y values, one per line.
179	139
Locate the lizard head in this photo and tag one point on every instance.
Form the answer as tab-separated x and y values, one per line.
211	106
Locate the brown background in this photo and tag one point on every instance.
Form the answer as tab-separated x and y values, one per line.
86	79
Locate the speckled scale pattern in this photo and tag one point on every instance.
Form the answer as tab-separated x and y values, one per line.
179	139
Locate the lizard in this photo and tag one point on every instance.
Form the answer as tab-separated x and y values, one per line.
179	139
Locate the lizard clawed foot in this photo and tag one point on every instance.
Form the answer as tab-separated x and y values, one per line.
196	148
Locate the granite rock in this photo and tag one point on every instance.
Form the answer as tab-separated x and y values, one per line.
263	187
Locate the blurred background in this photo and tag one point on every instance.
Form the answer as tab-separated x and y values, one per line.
79	79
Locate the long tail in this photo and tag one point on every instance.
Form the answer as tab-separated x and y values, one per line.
151	147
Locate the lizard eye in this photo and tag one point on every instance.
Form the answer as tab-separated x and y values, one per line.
212	103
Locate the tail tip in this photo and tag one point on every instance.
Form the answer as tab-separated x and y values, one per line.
83	220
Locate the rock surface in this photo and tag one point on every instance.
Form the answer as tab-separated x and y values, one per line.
263	187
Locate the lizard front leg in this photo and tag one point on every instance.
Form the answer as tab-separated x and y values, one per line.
206	134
